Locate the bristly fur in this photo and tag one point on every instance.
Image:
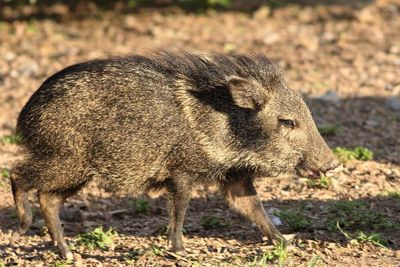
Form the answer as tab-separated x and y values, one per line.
171	121
210	71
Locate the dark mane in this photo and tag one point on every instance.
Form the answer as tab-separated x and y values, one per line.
211	70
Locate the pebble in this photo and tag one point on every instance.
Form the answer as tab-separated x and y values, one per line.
397	254
393	102
330	96
276	220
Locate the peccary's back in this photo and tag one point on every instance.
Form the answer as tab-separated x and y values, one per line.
116	119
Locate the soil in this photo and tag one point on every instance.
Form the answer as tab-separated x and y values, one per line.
345	61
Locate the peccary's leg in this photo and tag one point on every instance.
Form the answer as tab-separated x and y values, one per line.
179	198
50	206
242	196
23	210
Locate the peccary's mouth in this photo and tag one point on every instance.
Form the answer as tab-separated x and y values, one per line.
304	171
307	172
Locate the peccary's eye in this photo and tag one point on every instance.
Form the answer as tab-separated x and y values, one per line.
287	123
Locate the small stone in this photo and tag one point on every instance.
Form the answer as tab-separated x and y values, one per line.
9	56
276	220
329	96
262	12
397	254
393	102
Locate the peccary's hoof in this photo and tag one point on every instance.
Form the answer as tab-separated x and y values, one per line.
69	256
14	237
180	252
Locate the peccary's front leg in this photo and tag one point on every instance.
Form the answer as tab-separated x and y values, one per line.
242	196
179	198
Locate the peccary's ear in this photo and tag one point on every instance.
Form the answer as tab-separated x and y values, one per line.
245	93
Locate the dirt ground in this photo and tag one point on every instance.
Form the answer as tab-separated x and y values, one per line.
344	59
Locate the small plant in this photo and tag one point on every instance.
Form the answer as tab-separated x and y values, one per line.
392	194
357	215
294	219
158	250
211	222
61	263
314	261
5	173
98	238
323	182
357	153
140	205
131	256
10	139
278	253
328	129
374	238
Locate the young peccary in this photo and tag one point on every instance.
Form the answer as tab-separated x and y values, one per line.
171	121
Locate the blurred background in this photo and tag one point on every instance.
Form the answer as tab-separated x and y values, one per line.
342	56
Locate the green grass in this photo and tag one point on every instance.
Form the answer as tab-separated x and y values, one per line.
328	129
10	139
158	250
295	219
361	237
279	254
98	238
131	256
61	263
392	194
140	205
314	261
5	173
373	238
356	215
211	222
322	183
357	153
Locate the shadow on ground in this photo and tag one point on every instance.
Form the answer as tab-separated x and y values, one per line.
313	219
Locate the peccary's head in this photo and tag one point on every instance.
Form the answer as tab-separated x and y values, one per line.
276	127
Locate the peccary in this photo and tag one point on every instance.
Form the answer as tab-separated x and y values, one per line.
172	121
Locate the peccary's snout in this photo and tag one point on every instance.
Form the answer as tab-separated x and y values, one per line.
329	164
331	167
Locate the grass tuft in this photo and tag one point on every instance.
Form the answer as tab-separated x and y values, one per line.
158	250
357	153
98	238
141	205
10	139
322	183
392	194
211	222
328	129
294	219
361	237
279	254
356	215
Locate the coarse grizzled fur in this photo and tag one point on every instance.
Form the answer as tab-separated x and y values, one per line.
170	120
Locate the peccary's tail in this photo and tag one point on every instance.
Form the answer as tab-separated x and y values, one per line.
24	211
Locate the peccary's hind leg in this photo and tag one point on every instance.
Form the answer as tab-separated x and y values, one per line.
50	206
24	211
179	198
242	196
